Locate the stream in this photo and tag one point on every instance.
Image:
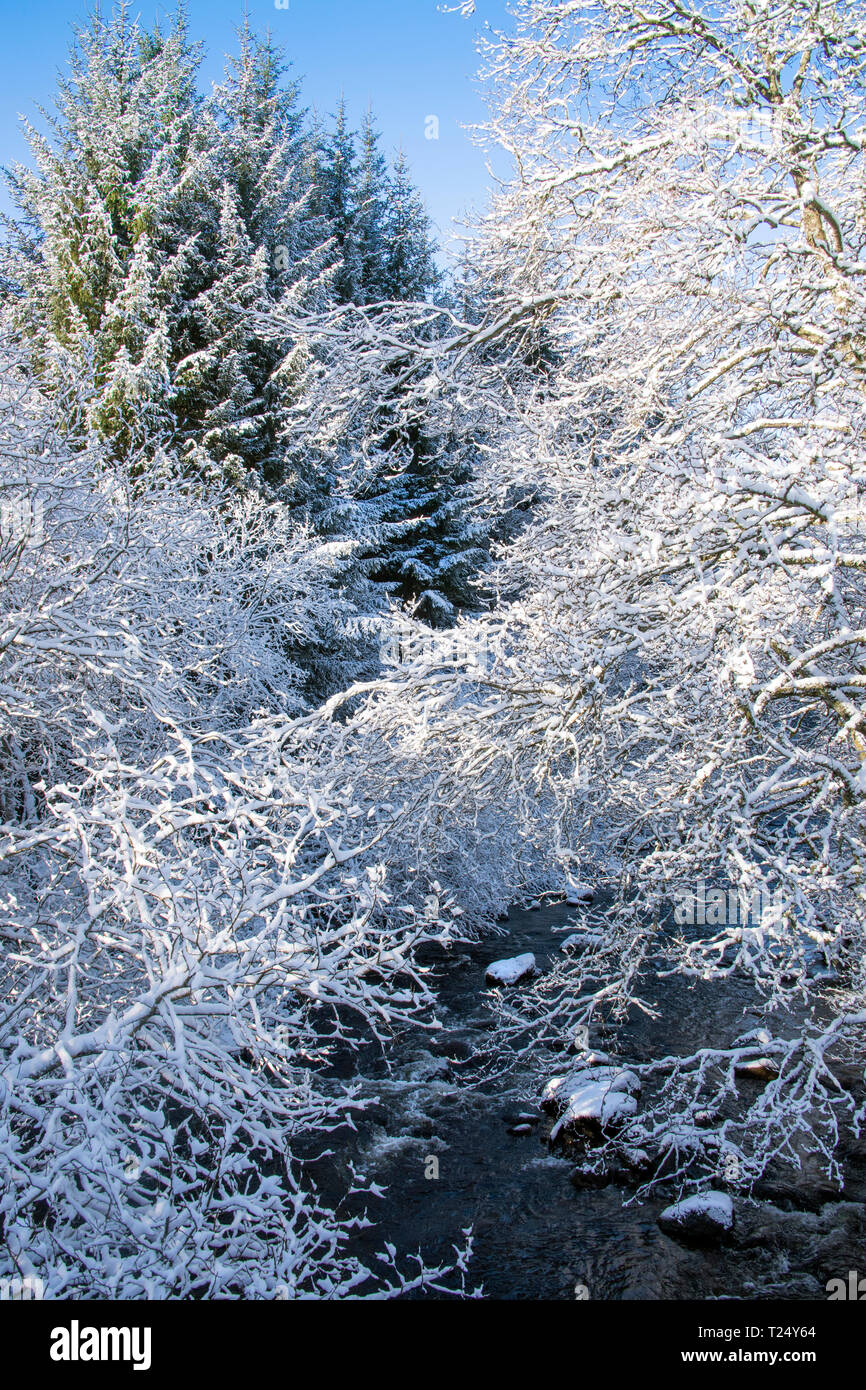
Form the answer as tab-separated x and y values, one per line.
537	1235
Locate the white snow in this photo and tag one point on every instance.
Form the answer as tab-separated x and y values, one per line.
636	1158
761	1068
579	940
577	893
705	1208
604	1095
511	970
595	1101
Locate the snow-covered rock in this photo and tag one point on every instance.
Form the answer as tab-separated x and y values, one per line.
759	1069
578	941
705	1215
591	1098
511	971
592	1105
589	1068
577	893
636	1158
551	1096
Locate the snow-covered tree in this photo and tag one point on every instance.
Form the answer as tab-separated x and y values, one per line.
101	251
676	694
409	263
147	256
376	216
193	911
257	244
372	199
338	199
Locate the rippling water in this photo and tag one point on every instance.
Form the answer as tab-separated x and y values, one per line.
537	1236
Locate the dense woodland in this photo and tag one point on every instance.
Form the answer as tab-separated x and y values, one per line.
343	602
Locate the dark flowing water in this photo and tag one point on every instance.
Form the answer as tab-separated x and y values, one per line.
447	1160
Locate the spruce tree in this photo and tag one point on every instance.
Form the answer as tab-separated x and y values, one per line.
156	231
410	267
102	250
372	211
426	548
338	201
263	244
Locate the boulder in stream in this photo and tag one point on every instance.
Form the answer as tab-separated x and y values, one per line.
511	971
591	1100
580	940
759	1069
705	1216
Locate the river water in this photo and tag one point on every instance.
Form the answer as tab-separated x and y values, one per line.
446	1159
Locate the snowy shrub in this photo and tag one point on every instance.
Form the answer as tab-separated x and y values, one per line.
191	917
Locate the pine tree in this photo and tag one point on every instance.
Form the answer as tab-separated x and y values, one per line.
159	231
371	214
427	546
217	407
263	244
102	250
410	268
338	201
426	549
156	230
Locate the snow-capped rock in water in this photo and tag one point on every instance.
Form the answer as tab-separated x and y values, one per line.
578	941
593	1098
636	1158
594	1105
760	1069
705	1215
511	971
577	893
589	1069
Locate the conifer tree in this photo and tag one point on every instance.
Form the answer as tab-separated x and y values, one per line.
339	173
426	548
410	268
263	244
156	231
103	250
372	201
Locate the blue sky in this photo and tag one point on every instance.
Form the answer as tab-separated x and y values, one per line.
405	56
